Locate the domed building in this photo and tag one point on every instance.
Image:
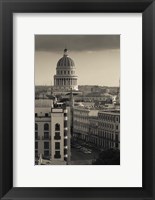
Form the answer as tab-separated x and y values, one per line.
65	77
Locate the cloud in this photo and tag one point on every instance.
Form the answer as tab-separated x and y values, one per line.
55	43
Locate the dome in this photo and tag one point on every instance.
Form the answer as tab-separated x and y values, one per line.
65	61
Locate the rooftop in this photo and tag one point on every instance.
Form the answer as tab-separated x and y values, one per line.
111	112
44	103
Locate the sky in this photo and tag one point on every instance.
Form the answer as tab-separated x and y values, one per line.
96	58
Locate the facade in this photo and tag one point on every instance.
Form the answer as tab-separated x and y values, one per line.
91	98
42	128
81	122
108	135
60	139
52	132
96	127
87	89
65	77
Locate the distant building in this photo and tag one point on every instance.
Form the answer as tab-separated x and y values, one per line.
85	89
65	77
98	89
90	89
112	90
91	98
52	132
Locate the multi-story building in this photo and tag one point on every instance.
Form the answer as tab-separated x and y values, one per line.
108	135
65	77
92	98
60	137
52	132
93	130
81	122
42	128
87	89
97	127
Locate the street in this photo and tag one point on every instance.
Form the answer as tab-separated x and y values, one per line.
80	158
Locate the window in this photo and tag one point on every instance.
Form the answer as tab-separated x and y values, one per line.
46	127
46	153
36	153
36	145
57	154
36	135
116	137
57	136
64	72
46	145
116	127
46	135
68	72
57	127
46	114
57	145
36	115
65	142
36	126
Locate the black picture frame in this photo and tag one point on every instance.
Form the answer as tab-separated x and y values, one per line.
7	8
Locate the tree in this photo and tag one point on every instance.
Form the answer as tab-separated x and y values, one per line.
108	157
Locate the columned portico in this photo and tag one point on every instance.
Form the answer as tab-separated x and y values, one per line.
65	77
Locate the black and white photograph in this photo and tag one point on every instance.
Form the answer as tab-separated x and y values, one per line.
77	100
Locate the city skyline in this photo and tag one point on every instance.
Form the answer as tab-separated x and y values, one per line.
77	125
95	55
